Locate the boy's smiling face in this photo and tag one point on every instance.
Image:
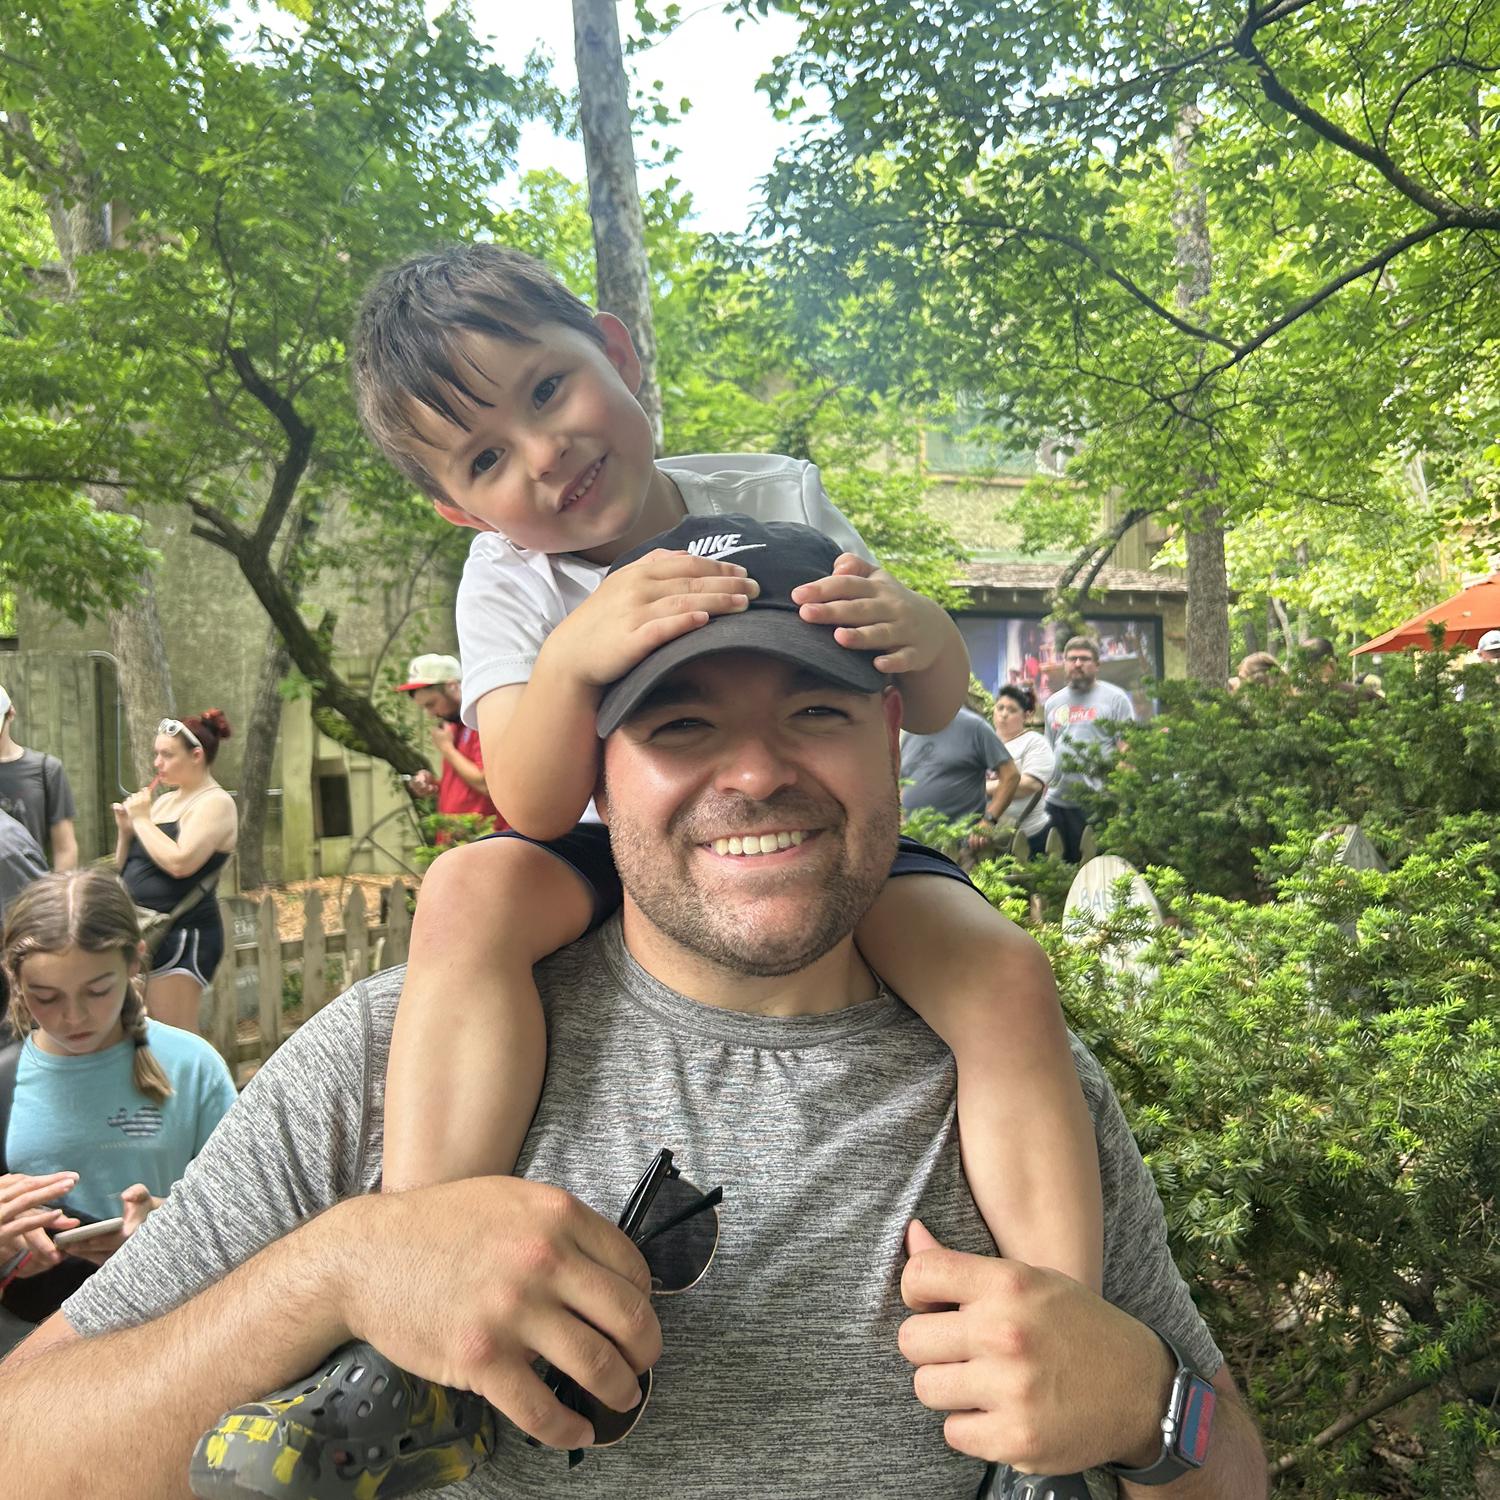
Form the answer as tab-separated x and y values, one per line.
558	455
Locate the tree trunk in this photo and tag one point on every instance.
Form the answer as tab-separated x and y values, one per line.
1208	586
145	677
1207	600
255	764
614	200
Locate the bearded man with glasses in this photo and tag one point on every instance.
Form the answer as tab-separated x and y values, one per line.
837	1294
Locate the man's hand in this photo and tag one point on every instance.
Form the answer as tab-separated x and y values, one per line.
1037	1371
634	612
442	737
875	612
470	1282
423	784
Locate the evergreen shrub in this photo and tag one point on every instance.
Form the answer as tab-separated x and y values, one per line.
1216	779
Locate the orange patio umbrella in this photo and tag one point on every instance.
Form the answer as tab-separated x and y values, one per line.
1464	618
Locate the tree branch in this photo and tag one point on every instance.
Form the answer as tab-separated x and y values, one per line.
1376	262
1336	135
292	464
1098	552
1391	1396
1024	232
110	484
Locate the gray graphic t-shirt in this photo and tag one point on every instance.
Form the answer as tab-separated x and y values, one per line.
34	790
781	1375
1073	721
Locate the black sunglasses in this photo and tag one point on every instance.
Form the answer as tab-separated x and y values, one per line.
676	1229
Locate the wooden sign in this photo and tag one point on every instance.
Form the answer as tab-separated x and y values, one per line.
1094	892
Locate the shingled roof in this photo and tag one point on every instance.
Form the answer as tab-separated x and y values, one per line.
1042	577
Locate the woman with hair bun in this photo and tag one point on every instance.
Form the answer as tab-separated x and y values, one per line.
168	850
1033	757
108	1107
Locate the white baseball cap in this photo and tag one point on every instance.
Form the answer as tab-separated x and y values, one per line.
1489	641
431	670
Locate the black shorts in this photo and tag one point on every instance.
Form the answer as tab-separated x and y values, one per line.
189	950
586	850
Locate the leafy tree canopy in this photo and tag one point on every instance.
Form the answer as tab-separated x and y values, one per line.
990	204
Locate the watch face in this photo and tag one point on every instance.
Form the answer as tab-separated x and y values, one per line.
1197	1422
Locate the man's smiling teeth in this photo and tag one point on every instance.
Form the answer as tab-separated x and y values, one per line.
759	843
582	487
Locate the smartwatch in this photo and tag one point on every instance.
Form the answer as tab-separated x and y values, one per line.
1185	1429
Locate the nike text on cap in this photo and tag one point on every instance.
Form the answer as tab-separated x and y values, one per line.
779	556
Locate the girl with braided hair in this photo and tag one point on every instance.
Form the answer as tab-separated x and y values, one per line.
119	1102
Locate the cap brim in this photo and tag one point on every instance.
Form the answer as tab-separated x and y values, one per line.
771	632
411	687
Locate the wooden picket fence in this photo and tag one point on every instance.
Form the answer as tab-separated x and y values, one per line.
258	961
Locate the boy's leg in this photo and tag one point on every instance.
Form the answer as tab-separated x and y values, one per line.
469	1047
1026	1135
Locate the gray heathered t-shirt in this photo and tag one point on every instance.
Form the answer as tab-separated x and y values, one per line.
946	769
781	1376
1073	720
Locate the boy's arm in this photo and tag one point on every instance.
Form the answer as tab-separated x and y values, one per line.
540	747
917	638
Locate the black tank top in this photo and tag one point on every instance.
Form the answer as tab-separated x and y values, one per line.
150	885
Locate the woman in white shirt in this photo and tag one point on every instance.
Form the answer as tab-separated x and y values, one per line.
1034	760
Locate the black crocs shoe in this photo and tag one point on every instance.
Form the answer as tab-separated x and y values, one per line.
1010	1484
357	1429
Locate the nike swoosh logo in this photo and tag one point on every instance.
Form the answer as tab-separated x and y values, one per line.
730	551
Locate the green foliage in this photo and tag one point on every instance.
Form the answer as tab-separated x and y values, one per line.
1315	1084
1216	779
254	171
443	830
989	206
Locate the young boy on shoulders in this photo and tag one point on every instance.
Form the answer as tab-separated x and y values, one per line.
507	400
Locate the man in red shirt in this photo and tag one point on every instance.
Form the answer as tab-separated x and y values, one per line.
433	682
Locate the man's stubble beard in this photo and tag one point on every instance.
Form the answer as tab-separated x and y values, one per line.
729	937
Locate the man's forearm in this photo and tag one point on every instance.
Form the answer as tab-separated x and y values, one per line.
136	1402
467	772
64	842
1236	1467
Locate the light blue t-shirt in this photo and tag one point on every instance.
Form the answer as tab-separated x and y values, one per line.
85	1115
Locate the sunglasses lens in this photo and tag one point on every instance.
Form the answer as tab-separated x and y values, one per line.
609	1425
678	1256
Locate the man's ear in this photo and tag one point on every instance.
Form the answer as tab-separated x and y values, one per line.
893	709
459	516
619	349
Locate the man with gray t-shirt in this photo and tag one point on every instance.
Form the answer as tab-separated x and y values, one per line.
947	770
1079	716
726	1014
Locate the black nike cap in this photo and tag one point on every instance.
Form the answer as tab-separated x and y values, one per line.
780	556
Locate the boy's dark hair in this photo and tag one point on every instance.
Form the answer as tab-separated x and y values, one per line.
406	345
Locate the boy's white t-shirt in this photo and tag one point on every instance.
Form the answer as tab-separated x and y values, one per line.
511	599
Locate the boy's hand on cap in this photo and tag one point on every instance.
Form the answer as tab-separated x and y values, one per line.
638	609
875	612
